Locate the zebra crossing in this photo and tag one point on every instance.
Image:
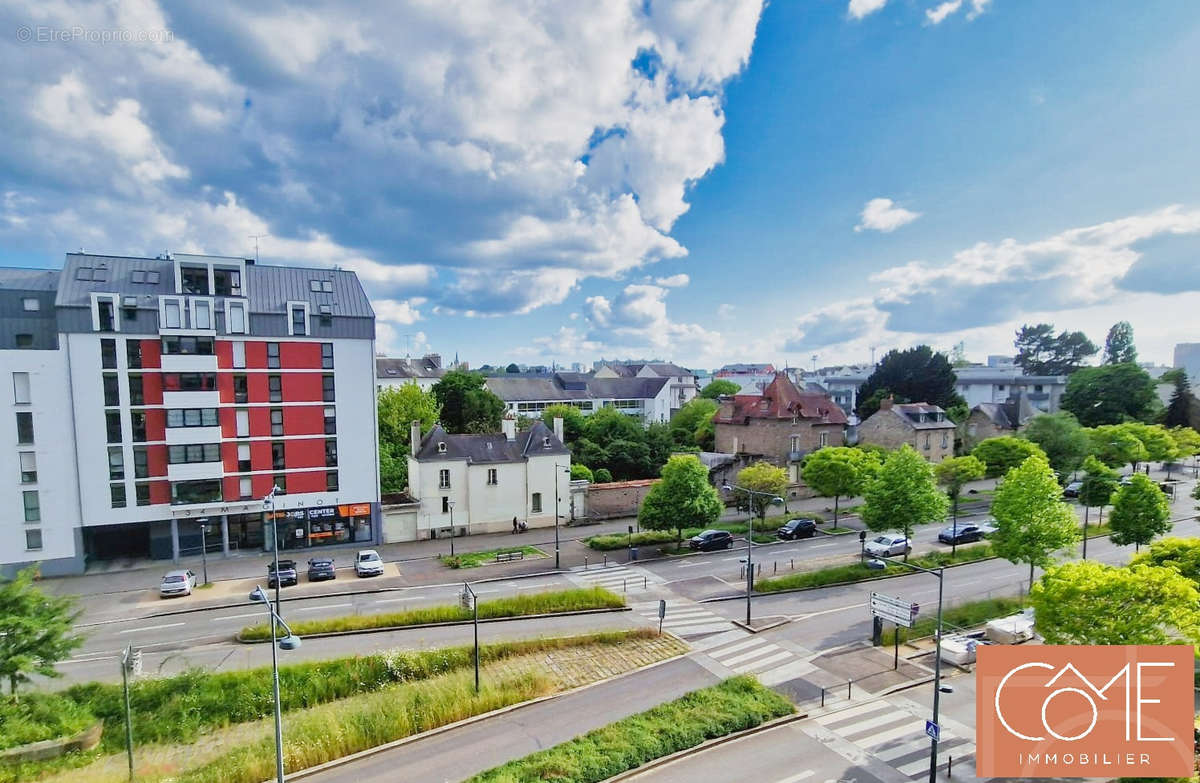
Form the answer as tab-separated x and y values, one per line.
895	735
743	653
617	578
684	618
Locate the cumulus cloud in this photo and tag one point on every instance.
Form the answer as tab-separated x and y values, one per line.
883	214
860	8
833	325
636	321
674	281
725	311
940	12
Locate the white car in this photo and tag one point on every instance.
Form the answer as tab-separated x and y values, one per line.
368	563
886	546
177	583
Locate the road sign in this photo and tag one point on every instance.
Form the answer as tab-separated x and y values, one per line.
662	608
933	730
466	600
894	610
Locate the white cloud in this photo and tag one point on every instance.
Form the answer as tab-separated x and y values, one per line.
674	281
860	8
725	311
882	214
978	7
939	13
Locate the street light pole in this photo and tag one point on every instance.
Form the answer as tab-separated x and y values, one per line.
750	538
269	501
204	547
558	470
450	505
289	642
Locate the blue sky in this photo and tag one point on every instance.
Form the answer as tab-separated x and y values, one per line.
703	181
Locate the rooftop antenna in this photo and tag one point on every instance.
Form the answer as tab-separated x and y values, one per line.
256	237
407	345
814	358
872	356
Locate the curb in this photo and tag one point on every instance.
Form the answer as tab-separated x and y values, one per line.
703	746
357	631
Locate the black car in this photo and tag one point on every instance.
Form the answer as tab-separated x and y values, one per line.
964	534
320	569
287	573
797	528
1072	489
710	540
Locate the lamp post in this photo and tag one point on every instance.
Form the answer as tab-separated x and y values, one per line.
204	546
450	505
269	502
558	471
289	642
750	537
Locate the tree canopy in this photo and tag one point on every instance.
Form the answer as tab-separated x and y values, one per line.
1182	554
573	420
467	404
1118	346
1040	352
720	387
1110	394
954	473
36	629
903	494
682	499
762	477
1116	445
914	375
1032	522
688	425
1060	437
581	471
1098	485
839	471
1140	512
397	407
618	443
1179	409
1003	453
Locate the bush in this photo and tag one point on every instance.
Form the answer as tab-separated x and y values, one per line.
581	471
41	716
621	540
857	572
602	475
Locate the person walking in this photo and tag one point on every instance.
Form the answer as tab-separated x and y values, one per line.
514	526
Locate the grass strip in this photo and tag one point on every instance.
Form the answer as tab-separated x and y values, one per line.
734	705
764	533
580	599
488	557
856	572
966	615
37	716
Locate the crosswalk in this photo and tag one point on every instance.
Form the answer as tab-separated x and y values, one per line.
684	618
895	735
743	653
617	578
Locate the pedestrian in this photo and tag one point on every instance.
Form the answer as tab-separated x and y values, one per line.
514	526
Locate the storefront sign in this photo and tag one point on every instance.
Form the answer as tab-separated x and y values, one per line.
324	512
355	510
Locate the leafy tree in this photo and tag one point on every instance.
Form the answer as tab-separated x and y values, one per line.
1116	445
1060	437
580	471
903	494
629	459
1096	490
573	420
603	475
1110	394
881	452
1179	409
1092	603
36	629
763	477
706	435
397	407
1182	554
1140	512
954	473
721	387
1187	441
608	424
1118	346
682	499
660	444
1004	453
512	368
467	405
875	400
688	420
838	471
1160	446
1032	522
1040	352
918	375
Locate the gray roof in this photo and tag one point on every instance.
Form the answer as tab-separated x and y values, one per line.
512	389
910	411
20	279
491	447
1011	414
664	369
407	368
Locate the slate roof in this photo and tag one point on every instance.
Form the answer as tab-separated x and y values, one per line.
745	369
20	279
490	447
781	400
910	413
407	368
535	389
1012	414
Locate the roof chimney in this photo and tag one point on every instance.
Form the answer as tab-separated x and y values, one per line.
558	429
414	435
886	403
509	425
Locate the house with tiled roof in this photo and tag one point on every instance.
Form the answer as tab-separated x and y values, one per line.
993	419
921	425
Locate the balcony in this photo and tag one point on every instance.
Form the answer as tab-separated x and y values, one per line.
189	362
191	399
181	436
194	471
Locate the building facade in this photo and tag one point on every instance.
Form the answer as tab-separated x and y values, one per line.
648	399
682	382
191	386
994	419
424	372
923	426
996	384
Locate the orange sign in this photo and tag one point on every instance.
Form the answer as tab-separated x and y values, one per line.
1065	711
356	510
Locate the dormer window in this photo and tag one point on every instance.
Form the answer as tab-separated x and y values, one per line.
545	443
193	280
441	447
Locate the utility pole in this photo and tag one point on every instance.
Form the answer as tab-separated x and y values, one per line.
256	237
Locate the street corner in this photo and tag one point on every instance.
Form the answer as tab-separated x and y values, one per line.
872	669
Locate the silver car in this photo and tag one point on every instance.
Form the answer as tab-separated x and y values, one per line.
888	545
368	563
177	583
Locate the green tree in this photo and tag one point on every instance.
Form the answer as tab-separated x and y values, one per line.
629	459
467	405
1116	445
1096	490
1032	522
1110	394
1118	346
918	375
954	473
721	387
1040	352
1140	512
688	420
682	499
1060	437
1179	410
603	475
573	420
1160	446
1187	441
1004	453
608	424
660	445
1092	603
37	629
397	407
580	471
761	477
512	368
903	494
1182	554
839	471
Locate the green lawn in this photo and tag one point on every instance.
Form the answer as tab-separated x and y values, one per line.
476	559
966	615
857	572
37	716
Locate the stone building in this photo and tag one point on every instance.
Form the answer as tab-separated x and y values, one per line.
923	426
993	419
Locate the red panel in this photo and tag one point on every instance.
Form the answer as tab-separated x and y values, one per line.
305	454
151	354
228	419
152	388
302	387
306	420
156	461
229	457
260	422
260	456
256	387
232	489
225	387
224	350
262	484
300	356
305	482
160	492
256	356
156	424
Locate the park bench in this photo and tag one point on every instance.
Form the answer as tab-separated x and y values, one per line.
506	557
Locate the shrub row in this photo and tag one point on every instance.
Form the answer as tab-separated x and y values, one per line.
38	716
856	572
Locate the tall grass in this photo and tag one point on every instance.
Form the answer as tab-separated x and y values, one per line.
734	705
515	606
38	716
857	572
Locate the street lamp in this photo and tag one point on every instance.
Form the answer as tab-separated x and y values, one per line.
450	505
289	642
269	502
204	546
558	471
750	536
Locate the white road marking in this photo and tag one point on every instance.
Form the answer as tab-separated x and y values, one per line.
318	608
798	618
236	616
778	657
821	546
150	628
398	600
691	565
808	773
757	652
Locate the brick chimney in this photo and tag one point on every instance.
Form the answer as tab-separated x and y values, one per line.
558	429
414	436
508	424
886	403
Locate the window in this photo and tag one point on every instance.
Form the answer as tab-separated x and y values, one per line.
331	481
277	459
83	273
137	394
235	317
445	504
112	426
137	276
795	443
31	304
133	354
243	455
241	392
326	356
945	440
227	282
193	279
273	356
1037	387
245	487
927	441
21	388
141	464
33	539
142	493
330	421
1000	387
444	479
28	467
242	421
200	491
137	423
108	354
276	421
299	320
194	453
275	388
24	427
281	483
202	314
441	447
331	453
314	285
105	310
239	355
33	507
326	312
171	310
190	381
152	277
24	340
492	476
327	388
192	417
116	463
116	493
537	502
187	346
112	390
824	438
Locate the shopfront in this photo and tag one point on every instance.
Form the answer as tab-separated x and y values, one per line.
305	528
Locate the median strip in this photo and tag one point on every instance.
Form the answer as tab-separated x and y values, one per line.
858	572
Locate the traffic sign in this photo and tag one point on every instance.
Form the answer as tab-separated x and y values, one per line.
933	730
894	610
466	600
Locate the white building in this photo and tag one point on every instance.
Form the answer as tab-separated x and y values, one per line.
649	399
684	386
1187	357
424	372
996	384
480	483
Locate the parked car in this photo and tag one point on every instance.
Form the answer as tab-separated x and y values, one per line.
287	573
797	528
987	526
963	534
177	583
368	563
1072	489
320	569
711	540
886	546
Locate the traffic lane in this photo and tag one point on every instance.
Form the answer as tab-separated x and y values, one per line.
223	656
784	754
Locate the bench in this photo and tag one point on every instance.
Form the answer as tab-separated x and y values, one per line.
507	557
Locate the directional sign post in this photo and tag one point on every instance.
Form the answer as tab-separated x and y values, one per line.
894	610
